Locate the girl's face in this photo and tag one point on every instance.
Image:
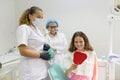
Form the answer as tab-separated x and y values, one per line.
52	28
79	43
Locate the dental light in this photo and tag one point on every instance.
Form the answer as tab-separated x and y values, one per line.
115	15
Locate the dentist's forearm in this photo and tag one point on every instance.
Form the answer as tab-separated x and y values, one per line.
24	51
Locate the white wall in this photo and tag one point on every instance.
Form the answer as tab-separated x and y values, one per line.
7	25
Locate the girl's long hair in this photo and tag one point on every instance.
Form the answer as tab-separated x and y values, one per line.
87	46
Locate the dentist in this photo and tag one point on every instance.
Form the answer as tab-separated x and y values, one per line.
30	43
57	40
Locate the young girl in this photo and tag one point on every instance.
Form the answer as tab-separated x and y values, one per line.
88	69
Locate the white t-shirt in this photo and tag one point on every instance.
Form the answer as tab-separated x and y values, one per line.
86	68
31	68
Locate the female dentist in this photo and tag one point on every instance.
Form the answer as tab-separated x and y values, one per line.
30	43
57	40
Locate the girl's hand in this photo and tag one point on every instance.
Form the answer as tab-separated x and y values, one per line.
73	67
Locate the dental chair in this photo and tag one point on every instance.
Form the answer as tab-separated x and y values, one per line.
56	72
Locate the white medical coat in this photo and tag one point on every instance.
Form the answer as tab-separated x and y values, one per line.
31	68
58	42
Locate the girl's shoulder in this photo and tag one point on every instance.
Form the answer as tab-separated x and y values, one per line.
90	53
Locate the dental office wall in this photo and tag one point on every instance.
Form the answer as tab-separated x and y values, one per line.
7	25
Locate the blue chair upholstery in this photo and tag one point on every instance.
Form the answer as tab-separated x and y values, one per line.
56	72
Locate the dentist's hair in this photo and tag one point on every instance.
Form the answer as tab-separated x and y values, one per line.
87	45
24	19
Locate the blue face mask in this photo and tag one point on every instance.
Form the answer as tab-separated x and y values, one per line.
36	22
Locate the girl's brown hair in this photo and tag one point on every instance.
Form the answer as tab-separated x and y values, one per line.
72	48
24	19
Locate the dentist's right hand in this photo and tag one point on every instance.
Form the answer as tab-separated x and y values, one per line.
45	55
46	47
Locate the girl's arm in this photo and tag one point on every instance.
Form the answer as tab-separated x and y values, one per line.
95	69
73	67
